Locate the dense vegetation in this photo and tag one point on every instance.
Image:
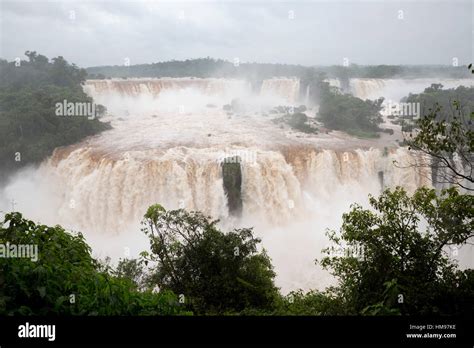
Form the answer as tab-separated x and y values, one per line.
208	67
202	67
337	111
345	112
395	71
217	272
436	96
392	260
65	279
399	265
29	127
294	118
444	133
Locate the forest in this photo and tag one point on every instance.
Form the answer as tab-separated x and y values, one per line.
195	268
209	67
29	127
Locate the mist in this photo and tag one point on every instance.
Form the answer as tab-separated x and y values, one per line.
167	141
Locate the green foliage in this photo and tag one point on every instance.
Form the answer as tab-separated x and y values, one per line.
28	122
38	71
389	303
435	97
202	67
294	117
347	113
445	130
363	134
208	67
311	303
65	279
216	272
134	271
403	245
394	71
299	121
444	136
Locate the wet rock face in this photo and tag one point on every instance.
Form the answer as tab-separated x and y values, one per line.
381	181
232	175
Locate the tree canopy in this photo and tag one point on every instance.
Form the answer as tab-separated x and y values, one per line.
64	279
345	112
29	128
398	257
444	134
217	272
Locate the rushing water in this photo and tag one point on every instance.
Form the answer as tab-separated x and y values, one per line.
168	139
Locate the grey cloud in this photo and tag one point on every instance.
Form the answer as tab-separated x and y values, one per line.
105	32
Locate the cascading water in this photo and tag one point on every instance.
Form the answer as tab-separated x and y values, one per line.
103	191
306	98
167	146
395	89
286	88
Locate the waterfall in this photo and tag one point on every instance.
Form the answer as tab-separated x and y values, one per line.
167	144
286	88
307	95
153	87
395	89
104	191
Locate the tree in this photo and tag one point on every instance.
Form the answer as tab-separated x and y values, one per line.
216	272
445	135
61	277
448	146
134	271
395	259
347	113
29	128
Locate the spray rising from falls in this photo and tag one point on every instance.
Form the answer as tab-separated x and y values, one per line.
153	87
138	93
109	191
288	89
396	89
170	145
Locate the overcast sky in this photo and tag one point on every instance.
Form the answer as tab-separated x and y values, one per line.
91	33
